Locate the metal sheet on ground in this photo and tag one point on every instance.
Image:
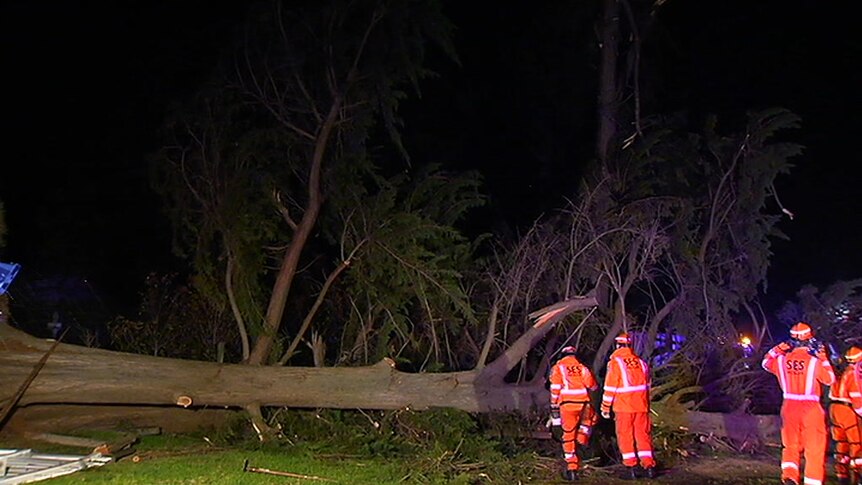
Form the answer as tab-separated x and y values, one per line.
27	466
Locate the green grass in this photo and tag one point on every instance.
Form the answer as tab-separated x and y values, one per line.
436	447
184	460
336	446
200	465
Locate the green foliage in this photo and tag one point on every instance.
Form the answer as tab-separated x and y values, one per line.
175	321
407	272
442	445
308	82
382	433
416	458
721	240
834	311
215	190
710	194
677	227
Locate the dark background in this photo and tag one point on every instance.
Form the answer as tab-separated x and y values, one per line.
87	85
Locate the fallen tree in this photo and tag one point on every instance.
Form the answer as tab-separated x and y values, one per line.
81	386
743	430
85	376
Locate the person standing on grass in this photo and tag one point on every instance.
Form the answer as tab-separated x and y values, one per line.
570	384
626	392
801	367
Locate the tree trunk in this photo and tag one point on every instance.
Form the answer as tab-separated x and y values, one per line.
86	376
80	375
608	99
95	387
739	428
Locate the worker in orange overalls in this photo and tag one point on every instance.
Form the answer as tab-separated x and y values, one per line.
801	366
570	384
626	392
845	422
855	393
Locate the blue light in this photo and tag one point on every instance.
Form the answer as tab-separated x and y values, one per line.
8	272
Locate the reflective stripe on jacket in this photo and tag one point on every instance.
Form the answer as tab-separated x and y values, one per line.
627	383
846	391
839	390
854	389
799	373
571	381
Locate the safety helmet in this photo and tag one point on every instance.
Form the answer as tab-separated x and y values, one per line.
853	354
801	331
623	339
567	350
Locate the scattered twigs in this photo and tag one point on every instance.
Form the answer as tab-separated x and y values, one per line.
718	442
119	448
267	471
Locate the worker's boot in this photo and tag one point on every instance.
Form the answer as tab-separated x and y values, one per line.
788	481
570	475
631	473
650	472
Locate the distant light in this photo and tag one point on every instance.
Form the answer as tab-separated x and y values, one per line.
745	341
8	272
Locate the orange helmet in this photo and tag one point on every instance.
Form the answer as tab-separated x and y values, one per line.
801	331
853	354
623	339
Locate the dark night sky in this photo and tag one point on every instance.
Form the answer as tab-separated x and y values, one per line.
87	83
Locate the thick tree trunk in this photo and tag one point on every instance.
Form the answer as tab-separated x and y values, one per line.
85	376
739	428
608	99
94	387
80	375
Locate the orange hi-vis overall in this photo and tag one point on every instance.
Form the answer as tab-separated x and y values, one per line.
845	425
626	391
571	383
803	421
854	391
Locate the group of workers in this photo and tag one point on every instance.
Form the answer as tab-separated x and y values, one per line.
626	393
801	366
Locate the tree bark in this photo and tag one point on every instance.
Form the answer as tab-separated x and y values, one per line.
740	428
86	376
79	375
95	386
608	99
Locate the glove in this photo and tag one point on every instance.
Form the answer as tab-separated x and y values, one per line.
784	347
606	414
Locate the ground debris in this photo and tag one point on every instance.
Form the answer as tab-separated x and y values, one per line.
26	466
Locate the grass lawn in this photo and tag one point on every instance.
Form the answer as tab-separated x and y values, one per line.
422	448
